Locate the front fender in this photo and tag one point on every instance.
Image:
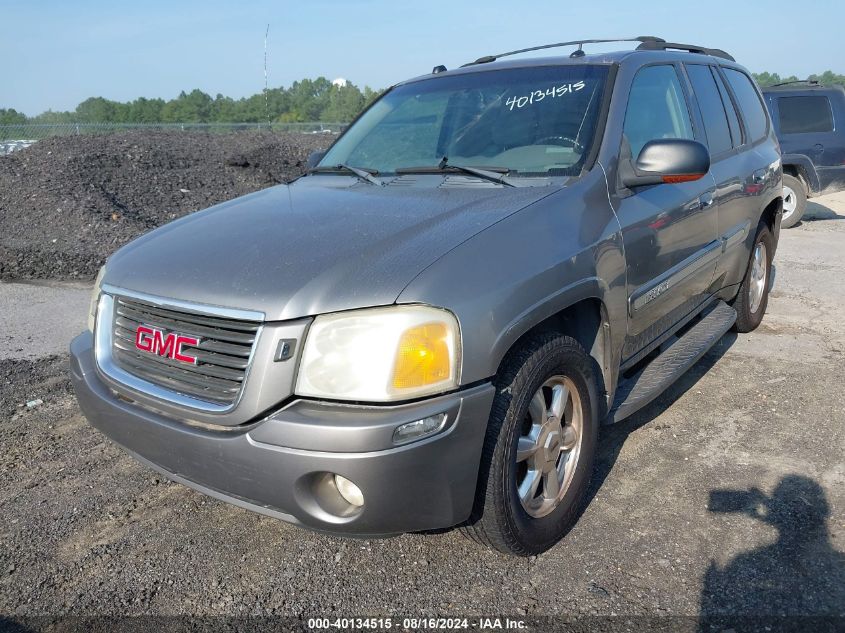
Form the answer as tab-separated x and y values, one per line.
515	274
546	307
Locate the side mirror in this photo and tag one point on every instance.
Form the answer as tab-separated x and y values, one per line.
666	161
314	158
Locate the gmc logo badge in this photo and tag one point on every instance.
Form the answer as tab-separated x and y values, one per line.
169	345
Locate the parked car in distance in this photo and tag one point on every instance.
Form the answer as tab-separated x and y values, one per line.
809	122
428	328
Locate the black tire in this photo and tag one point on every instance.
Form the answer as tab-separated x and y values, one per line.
799	191
747	318
499	519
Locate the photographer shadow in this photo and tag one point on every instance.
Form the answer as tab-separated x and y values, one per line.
800	575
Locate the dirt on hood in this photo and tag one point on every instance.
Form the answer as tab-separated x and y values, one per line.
66	203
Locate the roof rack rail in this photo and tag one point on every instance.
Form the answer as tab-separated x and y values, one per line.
644	39
663	45
811	82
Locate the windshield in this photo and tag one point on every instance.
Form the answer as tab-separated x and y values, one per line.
537	121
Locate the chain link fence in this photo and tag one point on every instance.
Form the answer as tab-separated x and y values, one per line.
13	137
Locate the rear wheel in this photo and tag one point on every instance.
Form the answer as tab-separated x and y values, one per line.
539	449
794	201
750	304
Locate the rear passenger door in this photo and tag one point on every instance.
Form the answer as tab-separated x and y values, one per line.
746	176
669	229
732	167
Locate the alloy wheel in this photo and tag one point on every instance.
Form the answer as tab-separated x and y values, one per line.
549	446
790	202
759	277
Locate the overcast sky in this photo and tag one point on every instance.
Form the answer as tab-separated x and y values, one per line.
54	54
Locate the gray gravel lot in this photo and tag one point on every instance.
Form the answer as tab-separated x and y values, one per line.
87	530
39	319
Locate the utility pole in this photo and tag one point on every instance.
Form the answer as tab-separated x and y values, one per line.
266	95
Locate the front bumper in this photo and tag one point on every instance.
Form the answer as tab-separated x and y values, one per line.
278	466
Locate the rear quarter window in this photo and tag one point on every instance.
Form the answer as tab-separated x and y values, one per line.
749	103
800	115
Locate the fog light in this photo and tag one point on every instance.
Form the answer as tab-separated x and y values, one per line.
419	429
349	491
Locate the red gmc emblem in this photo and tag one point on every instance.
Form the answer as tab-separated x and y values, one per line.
169	345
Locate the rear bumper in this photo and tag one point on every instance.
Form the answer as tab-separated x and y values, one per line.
278	466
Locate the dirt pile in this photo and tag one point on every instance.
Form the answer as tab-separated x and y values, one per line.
67	203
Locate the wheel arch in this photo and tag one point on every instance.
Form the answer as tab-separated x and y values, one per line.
802	168
771	213
585	318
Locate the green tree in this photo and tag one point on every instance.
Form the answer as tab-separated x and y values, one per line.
10	116
193	107
829	78
343	103
144	110
97	110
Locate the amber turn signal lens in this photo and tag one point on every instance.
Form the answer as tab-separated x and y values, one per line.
423	356
676	178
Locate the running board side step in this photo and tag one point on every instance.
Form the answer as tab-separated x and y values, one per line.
681	354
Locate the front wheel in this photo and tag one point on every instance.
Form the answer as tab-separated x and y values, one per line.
539	449
794	201
753	297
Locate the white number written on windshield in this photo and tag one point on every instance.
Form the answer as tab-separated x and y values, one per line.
539	95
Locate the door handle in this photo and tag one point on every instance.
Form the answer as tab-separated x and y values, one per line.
706	201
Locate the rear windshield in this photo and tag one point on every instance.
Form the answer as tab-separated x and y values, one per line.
530	121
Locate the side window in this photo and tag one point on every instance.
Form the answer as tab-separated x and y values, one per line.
657	108
712	110
733	119
749	102
799	115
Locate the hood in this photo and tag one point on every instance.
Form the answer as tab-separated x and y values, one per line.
321	244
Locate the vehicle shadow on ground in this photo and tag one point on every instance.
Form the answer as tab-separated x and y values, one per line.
816	211
613	437
799	576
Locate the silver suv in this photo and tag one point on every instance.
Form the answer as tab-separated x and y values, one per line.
428	328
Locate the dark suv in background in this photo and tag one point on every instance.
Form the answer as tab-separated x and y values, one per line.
429	327
809	121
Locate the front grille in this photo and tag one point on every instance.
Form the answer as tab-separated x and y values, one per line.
223	352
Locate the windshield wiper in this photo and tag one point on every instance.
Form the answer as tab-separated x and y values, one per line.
493	174
364	174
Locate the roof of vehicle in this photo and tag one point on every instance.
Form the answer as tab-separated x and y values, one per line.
650	49
801	86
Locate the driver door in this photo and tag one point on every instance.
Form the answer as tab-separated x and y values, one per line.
670	230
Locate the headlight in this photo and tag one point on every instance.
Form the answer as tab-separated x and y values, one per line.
381	354
95	298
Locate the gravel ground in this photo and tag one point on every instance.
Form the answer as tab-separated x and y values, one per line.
725	496
66	203
31	327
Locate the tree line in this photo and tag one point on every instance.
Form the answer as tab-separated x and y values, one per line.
827	78
306	100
